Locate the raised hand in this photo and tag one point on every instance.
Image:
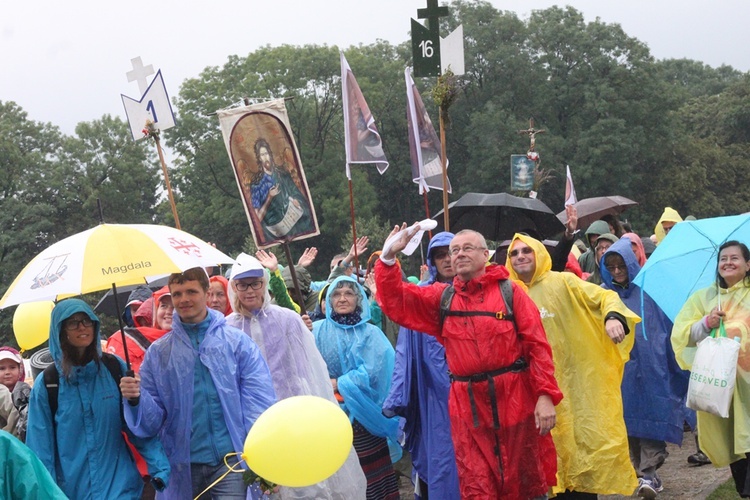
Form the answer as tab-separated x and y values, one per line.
267	260
308	256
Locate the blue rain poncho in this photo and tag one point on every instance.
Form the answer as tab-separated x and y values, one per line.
419	393
654	387
238	371
84	449
361	359
297	369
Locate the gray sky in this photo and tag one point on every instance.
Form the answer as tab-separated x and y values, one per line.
65	62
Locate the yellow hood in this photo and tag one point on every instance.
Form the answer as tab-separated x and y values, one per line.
543	258
669	215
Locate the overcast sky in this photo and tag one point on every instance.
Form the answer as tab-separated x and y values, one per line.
65	62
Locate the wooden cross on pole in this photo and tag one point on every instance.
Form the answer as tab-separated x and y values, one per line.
531	132
432	13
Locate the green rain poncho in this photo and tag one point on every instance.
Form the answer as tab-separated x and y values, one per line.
724	440
590	435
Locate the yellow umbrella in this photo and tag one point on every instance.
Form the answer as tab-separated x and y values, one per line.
107	256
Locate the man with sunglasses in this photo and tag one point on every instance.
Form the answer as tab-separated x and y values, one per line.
201	387
503	390
587	328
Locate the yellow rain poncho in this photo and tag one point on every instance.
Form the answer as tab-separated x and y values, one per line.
590	435
724	440
669	215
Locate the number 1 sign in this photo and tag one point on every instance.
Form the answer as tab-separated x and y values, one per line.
153	107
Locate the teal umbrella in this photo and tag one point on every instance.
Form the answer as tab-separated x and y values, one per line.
686	260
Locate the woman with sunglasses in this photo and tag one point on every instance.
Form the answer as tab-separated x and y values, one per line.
81	444
654	387
296	366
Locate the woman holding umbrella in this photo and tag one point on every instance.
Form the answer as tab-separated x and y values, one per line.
81	442
726	441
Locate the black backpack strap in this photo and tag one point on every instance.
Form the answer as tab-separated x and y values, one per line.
506	290
445	302
136	336
52	383
112	364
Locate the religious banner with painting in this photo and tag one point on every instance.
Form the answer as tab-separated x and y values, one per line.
521	173
269	173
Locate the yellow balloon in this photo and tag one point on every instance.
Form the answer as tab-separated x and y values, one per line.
31	323
299	441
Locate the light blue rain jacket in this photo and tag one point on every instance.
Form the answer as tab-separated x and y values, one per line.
87	455
238	371
361	359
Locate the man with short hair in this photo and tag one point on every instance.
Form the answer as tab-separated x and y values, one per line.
503	389
419	393
201	388
587	328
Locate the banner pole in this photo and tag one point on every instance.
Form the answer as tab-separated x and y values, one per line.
354	230
427	211
446	216
166	181
293	272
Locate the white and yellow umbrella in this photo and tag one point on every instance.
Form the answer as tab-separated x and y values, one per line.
107	255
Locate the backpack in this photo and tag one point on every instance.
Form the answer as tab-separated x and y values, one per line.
506	291
52	381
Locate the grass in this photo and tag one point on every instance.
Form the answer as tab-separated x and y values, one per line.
724	492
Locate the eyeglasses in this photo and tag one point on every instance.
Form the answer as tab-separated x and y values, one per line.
524	250
613	269
75	324
242	286
465	249
345	294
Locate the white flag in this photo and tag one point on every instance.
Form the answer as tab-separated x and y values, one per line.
154	106
424	144
570	191
361	136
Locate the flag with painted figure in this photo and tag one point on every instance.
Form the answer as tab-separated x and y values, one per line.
424	144
153	107
362	139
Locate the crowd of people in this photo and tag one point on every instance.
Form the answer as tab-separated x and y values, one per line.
537	372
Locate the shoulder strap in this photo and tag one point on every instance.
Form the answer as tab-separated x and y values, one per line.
136	336
506	290
445	302
52	383
113	366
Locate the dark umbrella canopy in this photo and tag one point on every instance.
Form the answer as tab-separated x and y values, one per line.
593	209
106	304
498	216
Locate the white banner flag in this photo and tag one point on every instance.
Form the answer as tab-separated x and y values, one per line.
154	106
361	136
570	190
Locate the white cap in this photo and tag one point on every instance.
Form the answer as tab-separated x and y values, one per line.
10	355
246	266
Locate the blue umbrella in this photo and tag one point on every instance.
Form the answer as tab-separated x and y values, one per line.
686	259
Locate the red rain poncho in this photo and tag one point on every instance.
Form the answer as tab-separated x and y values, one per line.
527	464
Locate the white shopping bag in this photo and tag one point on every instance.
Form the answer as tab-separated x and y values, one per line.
713	374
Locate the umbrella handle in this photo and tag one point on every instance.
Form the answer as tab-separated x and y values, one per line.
132	401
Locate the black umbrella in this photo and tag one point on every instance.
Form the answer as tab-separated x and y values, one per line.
498	216
106	304
593	209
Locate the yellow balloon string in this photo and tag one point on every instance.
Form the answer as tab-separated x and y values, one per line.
230	468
